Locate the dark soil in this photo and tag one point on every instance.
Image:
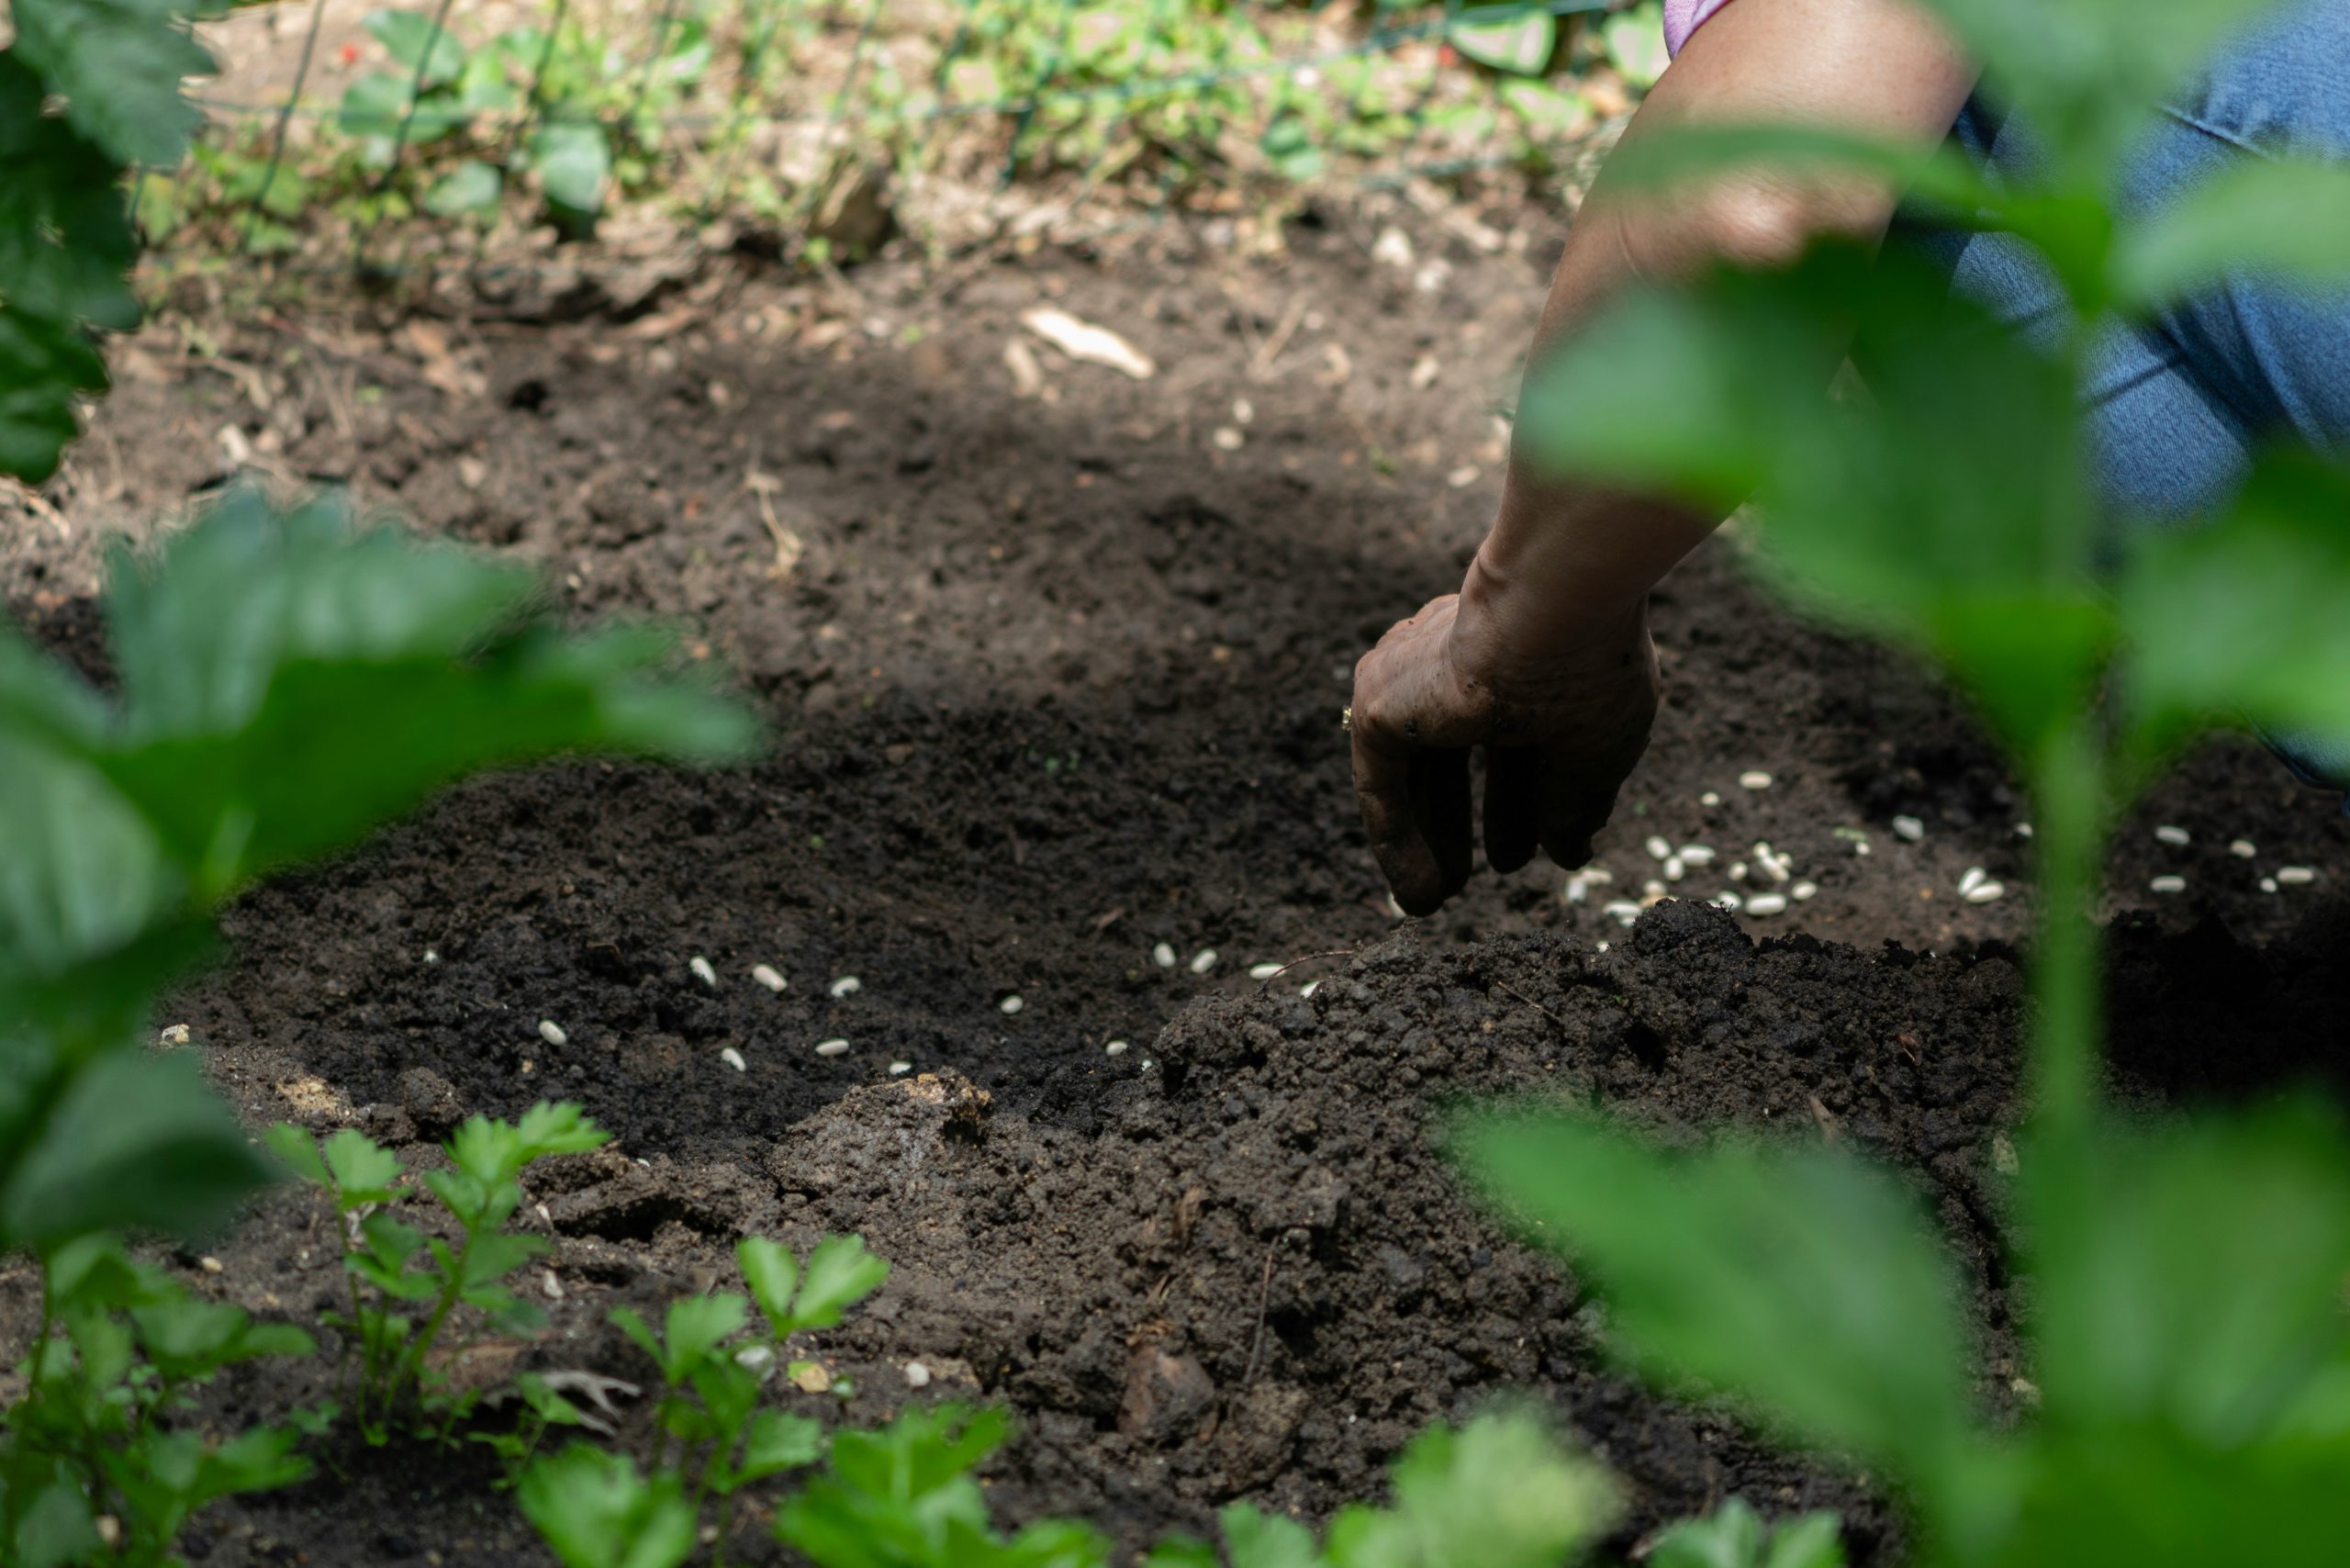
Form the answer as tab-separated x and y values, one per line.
1053	682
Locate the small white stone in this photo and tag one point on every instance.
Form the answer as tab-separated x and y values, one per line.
917	1375
1204	960
831	1047
900	1069
1116	1048
1972	879
1010	1005
1265	971
2243	849
703	971
2295	876
1728	898
1709	799
2168	885
1803	890
1659	848
768	976
1673	869
176	1035
2268	884
1755	780
847	985
1987	893
734	1059
1909	828
1697	854
1163	956
551	1033
1766	904
2174	835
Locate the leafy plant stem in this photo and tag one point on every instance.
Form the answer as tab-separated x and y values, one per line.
2070	778
450	1290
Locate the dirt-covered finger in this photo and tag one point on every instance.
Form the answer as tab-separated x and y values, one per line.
1440	801
1382	770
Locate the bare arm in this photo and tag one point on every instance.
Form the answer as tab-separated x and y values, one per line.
1544	657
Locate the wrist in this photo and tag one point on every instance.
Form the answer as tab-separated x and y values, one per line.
1511	632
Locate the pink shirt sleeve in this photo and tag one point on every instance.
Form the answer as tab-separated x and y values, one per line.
1682	16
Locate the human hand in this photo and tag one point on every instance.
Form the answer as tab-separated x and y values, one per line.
1560	734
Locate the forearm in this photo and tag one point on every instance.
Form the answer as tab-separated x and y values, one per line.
1566	562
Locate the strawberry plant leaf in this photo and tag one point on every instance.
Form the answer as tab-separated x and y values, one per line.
65	237
1794	1278
118	64
45	365
415	43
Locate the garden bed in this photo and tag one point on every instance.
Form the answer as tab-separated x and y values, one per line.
1055	681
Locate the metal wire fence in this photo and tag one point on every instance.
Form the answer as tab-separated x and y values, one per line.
828	124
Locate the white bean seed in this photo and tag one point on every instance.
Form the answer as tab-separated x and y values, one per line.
917	1375
1987	893
1803	890
703	971
1163	956
432	954
1973	879
1728	898
1596	875
1265	971
2295	876
847	985
1673	869
1737	871
734	1059
2268	884
551	1033
1578	889
1653	890
2174	835
1116	1048
1909	828
1307	989
1659	848
1010	1005
1697	854
2023	830
831	1047
2168	885
1204	960
1756	779
1624	910
767	976
900	1069
2243	849
1766	904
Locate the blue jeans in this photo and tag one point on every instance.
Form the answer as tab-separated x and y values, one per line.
2178	406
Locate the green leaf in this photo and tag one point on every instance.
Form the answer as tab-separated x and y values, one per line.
1499	1493
118	64
1522	45
839	1274
2263	217
2244	615
1683	156
137	1142
81	873
56	1528
364	1171
300	1152
572	160
65	237
776	1442
1734	1536
556	1126
1183	1552
630	1322
289	683
696	1326
2189	1277
773	1273
44	366
1256	1539
469	190
595	1511
416	41
1794	1278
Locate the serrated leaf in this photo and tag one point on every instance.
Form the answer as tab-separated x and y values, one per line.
363	1169
772	1273
775	1442
1500	1492
697	1325
1735	1536
137	1142
1257	1539
118	64
838	1274
556	1126
290	682
1796	1279
46	367
595	1511
65	237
